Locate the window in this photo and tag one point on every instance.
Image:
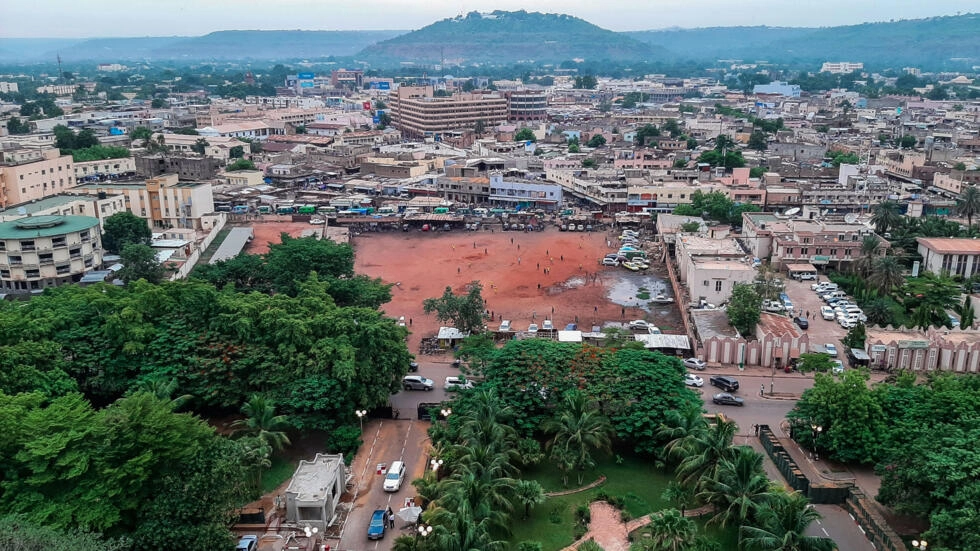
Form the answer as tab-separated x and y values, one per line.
45	258
819	251
58	241
33	273
804	251
15	260
847	253
75	253
789	251
833	252
718	286
3	245
27	245
706	283
63	269
5	273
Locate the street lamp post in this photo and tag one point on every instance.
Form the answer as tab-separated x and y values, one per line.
446	412
920	545
360	417
435	464
424	530
816	429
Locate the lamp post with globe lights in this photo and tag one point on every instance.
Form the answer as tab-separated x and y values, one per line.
435	464
817	429
446	412
424	530
920	545
360	417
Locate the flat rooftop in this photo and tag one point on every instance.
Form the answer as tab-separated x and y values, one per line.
313	479
712	323
52	201
951	245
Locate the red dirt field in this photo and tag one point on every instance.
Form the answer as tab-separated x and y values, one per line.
268	232
423	264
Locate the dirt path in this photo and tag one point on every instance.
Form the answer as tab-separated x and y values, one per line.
606	528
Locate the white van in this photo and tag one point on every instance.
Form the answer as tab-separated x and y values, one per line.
480	212
395	476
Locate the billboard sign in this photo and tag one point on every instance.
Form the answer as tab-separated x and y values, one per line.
306	85
305	76
384	85
366	105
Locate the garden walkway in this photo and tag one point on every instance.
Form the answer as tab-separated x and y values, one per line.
611	533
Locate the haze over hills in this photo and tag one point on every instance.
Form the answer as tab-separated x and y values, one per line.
509	37
929	43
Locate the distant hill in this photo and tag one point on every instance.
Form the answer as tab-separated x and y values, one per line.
933	43
508	37
221	45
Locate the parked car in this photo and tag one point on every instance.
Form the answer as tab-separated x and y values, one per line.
831	349
547	326
690	379
458	383
417	382
504	326
571	327
639	324
772	306
376	530
532	329
247	543
838	367
725	399
728	384
413	366
802	322
827	312
394	477
631	266
847	323
610	261
694	363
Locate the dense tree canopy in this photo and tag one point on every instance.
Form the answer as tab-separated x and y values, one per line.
125	228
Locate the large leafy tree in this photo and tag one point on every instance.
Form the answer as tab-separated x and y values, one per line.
140	262
868	253
464	312
744	308
529	493
928	297
125	228
23	535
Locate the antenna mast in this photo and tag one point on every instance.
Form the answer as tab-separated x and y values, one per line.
61	73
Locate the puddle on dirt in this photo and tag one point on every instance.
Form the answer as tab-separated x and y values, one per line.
628	289
573	282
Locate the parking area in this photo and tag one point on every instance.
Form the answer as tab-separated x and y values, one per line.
807	302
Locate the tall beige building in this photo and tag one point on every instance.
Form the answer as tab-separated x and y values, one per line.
164	201
416	112
28	173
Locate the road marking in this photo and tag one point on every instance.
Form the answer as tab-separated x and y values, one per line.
357	486
825	532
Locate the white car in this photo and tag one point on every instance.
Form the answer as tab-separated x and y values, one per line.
547	326
610	262
317	221
847	323
838	367
458	383
639	324
694	363
831	349
827	312
691	379
532	329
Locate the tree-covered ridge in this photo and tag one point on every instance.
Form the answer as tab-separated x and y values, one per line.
507	37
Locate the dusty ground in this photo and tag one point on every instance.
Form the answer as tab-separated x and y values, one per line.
269	232
513	276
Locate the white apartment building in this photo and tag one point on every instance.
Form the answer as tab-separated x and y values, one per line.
9	88
841	67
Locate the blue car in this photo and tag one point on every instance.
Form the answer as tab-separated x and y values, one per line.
376	530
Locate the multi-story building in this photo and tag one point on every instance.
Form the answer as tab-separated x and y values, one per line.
165	202
219	147
106	168
778	88
33	173
184	167
952	184
58	89
8	88
351	78
417	113
527	195
67	205
901	163
794	241
37	252
841	67
254	130
527	105
711	267
950	255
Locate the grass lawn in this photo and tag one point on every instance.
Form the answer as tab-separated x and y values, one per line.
282	468
636	480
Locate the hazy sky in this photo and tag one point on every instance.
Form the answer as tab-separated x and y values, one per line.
78	18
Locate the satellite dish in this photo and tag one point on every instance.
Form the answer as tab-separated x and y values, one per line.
851	218
793	211
22	211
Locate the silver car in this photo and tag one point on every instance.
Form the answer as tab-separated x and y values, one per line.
417	382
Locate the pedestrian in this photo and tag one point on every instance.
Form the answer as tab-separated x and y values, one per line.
409	322
595	309
518	246
552	310
624	312
391	518
485	251
511	240
756	427
539	286
491	314
762	389
562	258
518	261
474	244
807	314
458	269
547	252
539	265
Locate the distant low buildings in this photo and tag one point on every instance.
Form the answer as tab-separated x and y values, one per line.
841	67
778	88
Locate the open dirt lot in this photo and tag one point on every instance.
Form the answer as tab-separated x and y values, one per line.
510	266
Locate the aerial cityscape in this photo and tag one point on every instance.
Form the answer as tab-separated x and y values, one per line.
403	276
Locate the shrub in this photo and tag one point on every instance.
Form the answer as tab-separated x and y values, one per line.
529	546
555	515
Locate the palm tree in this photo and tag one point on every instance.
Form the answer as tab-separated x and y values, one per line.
669	531
164	390
739	489
879	313
704	451
262	422
782	527
483	500
969	203
868	253
679	425
457	530
886	274
885	215
579	429
529	493
485	422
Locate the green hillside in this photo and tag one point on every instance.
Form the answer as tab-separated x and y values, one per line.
509	37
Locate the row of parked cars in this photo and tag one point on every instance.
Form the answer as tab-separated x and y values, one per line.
839	307
629	255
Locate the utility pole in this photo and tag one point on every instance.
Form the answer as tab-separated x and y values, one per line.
61	73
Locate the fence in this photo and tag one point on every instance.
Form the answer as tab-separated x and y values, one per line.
191	261
847	495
